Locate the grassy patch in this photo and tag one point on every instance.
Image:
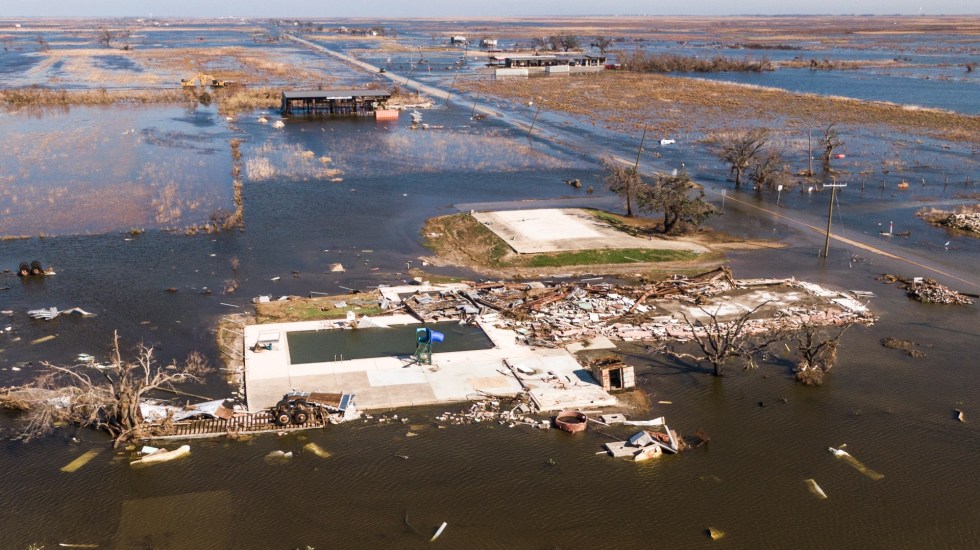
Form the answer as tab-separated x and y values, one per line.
461	239
312	309
607	256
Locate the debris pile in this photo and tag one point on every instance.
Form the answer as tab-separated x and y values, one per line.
927	290
908	346
553	316
966	221
930	291
509	411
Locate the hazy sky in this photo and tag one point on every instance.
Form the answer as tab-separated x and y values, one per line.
461	8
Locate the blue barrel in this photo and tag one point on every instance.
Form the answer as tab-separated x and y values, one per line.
427	335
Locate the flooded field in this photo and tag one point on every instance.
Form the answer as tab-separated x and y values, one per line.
92	192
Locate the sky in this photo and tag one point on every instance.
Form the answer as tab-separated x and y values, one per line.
469	8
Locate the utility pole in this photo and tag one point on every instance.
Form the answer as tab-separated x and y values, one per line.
809	149
830	213
535	119
451	86
636	165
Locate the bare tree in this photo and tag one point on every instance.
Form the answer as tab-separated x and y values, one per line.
626	182
831	140
681	201
42	44
564	41
105	36
601	43
740	150
816	349
720	341
768	171
103	397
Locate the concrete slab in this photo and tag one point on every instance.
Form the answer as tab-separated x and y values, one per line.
556	230
382	383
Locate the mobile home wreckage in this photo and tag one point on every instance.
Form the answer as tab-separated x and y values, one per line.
333	102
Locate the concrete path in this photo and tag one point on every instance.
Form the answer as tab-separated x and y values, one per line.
555	377
556	230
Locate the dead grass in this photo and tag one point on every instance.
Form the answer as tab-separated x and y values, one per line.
44	97
669	105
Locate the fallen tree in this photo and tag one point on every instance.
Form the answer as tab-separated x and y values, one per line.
104	397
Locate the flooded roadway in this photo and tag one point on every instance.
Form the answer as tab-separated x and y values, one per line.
496	487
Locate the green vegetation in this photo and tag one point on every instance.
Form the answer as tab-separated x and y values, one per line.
312	309
607	256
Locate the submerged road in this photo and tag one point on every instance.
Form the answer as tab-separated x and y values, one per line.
748	207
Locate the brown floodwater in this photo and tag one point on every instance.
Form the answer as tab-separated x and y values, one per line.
495	486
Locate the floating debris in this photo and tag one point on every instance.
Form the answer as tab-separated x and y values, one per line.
814	488
161	455
715	534
960	415
80	461
439	531
317	450
908	346
928	290
847	457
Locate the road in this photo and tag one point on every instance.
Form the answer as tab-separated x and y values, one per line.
797	220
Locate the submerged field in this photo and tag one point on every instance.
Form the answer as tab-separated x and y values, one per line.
104	182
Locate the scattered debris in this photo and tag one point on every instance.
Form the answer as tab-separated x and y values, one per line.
80	461
161	455
847	457
647	444
814	488
908	346
317	450
715	534
960	415
928	290
277	456
965	218
43	339
50	313
572	421
438	531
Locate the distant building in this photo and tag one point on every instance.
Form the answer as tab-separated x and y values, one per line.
458	40
488	42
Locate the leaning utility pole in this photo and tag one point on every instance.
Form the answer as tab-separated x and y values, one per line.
636	165
830	213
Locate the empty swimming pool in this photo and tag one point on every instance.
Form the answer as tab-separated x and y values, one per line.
319	346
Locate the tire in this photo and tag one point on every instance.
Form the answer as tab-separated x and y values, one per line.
283	405
300	417
301	405
281	418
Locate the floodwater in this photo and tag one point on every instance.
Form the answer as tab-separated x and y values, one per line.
495	486
317	346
